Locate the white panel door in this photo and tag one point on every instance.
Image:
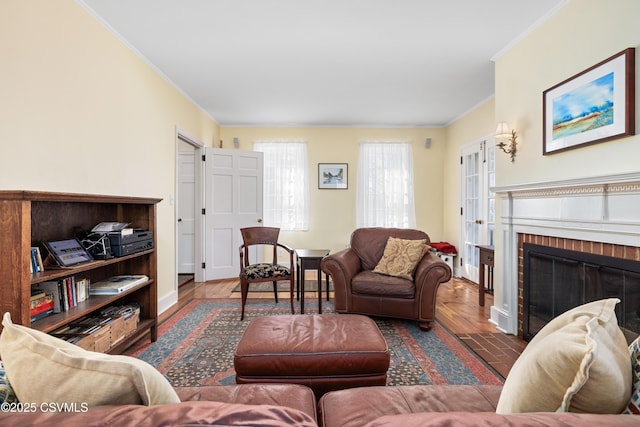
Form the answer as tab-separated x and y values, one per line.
233	200
186	210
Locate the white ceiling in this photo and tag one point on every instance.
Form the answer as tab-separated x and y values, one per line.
370	63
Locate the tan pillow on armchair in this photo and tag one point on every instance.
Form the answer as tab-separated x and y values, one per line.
401	257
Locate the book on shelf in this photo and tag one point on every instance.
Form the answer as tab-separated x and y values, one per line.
36	294
50	288
117	284
65	293
41	306
40	302
36	264
41	315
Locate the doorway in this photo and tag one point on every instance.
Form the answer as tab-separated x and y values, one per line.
477	223
187	227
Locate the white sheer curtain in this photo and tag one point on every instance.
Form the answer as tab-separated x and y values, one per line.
385	185
286	189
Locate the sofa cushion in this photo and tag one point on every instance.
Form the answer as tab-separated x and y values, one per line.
634	403
44	369
355	407
373	284
180	414
578	362
293	396
400	257
467	419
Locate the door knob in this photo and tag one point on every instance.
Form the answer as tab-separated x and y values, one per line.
259	220
179	219
478	221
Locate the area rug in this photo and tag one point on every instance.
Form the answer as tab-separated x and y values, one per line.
196	346
309	286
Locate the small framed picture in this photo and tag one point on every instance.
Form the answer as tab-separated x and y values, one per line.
333	176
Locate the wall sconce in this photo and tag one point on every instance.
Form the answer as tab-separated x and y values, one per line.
503	133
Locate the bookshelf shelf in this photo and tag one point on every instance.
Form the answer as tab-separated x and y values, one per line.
94	303
57	273
29	218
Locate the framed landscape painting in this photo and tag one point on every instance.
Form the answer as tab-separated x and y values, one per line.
593	106
333	175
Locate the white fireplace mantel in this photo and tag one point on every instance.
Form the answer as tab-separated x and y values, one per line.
600	209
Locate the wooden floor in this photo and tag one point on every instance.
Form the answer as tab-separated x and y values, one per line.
457	309
457	302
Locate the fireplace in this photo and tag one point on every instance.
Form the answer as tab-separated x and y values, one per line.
556	279
597	217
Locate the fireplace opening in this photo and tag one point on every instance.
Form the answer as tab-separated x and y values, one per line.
556	280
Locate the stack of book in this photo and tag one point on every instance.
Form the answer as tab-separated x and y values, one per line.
41	305
66	293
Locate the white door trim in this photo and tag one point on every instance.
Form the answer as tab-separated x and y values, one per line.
199	241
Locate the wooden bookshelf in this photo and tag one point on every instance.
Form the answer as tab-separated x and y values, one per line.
29	218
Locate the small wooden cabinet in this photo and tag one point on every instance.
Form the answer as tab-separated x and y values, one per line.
28	218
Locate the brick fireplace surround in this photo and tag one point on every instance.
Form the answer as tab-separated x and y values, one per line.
598	215
631	253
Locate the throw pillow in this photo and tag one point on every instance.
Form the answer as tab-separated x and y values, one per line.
578	362
401	257
634	403
43	368
7	395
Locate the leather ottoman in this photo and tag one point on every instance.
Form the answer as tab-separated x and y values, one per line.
325	352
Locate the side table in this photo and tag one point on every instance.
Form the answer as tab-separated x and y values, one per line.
308	259
486	258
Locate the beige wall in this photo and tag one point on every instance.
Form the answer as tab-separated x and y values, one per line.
333	212
80	112
580	35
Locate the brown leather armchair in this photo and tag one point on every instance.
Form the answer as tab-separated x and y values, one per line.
359	290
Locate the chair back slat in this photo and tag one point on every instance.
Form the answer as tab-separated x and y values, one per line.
253	236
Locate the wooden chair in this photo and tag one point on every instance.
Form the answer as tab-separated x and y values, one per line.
256	238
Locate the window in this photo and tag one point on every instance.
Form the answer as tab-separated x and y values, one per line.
286	189
385	185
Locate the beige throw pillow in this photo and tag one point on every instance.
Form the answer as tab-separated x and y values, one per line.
401	257
579	362
43	369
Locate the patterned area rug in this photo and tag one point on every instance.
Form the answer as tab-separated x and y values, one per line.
196	346
309	286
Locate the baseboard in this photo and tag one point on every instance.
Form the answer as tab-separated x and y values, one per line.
502	320
168	301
